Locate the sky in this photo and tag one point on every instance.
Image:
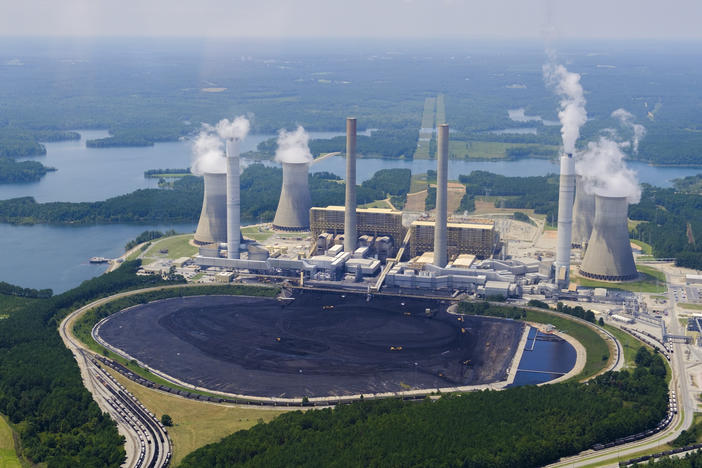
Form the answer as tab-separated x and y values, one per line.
503	19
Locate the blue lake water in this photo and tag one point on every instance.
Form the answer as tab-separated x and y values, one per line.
544	360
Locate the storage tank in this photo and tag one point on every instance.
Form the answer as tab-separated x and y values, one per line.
608	256
583	214
212	227
293	213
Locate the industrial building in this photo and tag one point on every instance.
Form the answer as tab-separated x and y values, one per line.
376	222
478	238
608	256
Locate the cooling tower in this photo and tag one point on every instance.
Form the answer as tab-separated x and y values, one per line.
583	214
350	231
440	227
293	213
608	256
212	227
565	219
233	200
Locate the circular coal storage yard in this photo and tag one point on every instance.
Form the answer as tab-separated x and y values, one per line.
320	344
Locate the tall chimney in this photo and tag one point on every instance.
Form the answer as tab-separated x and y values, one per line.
233	200
350	230
440	228
565	220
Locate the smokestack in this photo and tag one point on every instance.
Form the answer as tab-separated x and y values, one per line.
608	255
293	213
440	228
350	231
583	214
565	219
212	227
233	199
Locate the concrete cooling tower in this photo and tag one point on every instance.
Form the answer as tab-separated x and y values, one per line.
213	217
293	213
583	214
608	256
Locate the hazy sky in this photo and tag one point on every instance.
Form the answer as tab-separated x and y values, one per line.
624	19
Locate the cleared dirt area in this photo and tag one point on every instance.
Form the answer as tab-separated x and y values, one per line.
321	344
416	201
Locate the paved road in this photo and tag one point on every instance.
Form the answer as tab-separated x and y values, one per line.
147	443
681	421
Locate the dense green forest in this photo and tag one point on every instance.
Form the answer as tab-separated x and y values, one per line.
672	224
7	289
41	390
12	171
539	193
522	426
690	184
260	191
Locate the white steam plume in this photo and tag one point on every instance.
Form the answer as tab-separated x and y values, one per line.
572	114
236	129
638	130
293	147
208	152
602	166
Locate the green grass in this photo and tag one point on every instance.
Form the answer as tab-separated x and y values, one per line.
594	344
254	232
419	182
687	305
629	344
488	149
178	246
11	304
645	248
8	456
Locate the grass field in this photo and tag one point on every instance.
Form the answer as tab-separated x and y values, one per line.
629	344
646	248
488	149
687	305
256	233
8	457
196	423
10	304
595	346
178	246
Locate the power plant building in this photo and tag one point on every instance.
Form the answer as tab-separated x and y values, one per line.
212	227
295	202
375	222
608	256
478	238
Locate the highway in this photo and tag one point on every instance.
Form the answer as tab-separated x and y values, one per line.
146	440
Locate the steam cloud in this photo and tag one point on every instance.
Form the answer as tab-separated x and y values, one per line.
572	114
293	147
208	152
638	130
605	173
236	129
208	147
